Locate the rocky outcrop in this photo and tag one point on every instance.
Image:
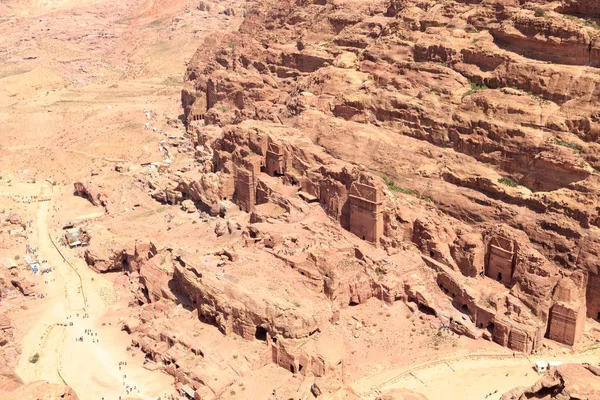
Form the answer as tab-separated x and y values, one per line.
9	380
9	350
462	133
93	193
24	286
244	312
584	8
102	259
115	257
41	390
13	218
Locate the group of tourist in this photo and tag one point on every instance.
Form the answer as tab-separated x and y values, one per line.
31	250
128	388
23	199
93	335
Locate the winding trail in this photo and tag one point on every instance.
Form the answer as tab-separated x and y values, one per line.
90	367
473	376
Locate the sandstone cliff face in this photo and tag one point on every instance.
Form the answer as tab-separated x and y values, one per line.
236	309
457	104
588	8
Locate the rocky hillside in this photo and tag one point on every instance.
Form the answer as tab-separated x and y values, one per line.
438	153
484	112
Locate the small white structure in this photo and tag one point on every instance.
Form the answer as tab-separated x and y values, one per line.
35	268
28	260
541	366
554	364
33	264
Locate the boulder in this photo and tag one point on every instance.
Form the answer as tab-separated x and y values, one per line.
188	206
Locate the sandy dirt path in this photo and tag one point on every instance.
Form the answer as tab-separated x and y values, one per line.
92	366
485	378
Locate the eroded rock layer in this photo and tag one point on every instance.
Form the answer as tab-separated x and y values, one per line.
443	153
358	90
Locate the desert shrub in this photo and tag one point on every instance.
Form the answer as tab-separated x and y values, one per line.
475	87
569	145
508	182
392	186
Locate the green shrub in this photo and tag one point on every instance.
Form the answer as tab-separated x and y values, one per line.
569	145
34	358
475	87
508	182
392	186
539	12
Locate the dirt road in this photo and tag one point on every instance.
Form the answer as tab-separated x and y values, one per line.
75	331
72	102
472	377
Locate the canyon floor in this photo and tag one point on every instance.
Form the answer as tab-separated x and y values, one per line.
194	281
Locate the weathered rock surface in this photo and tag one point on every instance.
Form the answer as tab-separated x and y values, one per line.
442	154
40	390
14	218
458	105
569	381
93	193
118	257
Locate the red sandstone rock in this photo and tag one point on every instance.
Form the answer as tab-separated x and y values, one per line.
14	218
24	286
480	115
91	192
41	390
433	92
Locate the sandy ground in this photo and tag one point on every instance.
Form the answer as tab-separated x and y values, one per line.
478	378
76	75
92	366
469	377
